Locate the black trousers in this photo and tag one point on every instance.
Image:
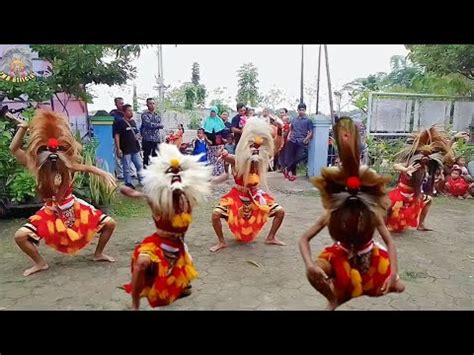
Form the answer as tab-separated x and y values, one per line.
149	148
296	153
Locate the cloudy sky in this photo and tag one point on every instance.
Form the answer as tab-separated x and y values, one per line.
278	67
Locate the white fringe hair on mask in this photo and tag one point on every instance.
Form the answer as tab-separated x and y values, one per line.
195	179
243	153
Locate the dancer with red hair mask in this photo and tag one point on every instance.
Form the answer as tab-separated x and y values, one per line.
65	222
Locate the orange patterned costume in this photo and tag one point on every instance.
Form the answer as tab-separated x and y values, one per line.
66	227
65	222
246	210
171	273
430	149
356	202
352	282
405	206
173	184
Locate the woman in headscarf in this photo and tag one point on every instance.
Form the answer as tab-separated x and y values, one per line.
213	127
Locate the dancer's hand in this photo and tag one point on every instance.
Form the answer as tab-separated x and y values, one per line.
389	284
316	276
463	135
18	121
412	168
119	153
223	153
110	181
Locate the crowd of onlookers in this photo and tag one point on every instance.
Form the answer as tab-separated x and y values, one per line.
455	180
134	145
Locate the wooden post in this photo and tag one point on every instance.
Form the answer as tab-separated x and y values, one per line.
329	83
319	74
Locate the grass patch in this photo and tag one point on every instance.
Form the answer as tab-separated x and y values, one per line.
413	275
126	207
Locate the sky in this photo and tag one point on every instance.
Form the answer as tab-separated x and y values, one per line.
278	67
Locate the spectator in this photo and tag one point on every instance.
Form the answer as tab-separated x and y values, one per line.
150	131
236	123
230	147
200	145
213	128
117	114
228	126
301	132
127	145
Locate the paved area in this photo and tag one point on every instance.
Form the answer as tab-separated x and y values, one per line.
437	267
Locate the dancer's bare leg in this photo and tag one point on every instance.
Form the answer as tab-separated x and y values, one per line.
138	279
25	244
424	213
276	224
105	235
217	225
325	287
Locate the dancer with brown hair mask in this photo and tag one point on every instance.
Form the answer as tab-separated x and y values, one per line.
162	268
65	222
419	162
356	202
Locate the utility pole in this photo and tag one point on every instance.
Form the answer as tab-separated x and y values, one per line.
302	76
159	78
319	74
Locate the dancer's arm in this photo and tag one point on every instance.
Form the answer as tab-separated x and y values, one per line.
129	192
305	248
314	273
109	179
409	170
228	158
17	143
392	255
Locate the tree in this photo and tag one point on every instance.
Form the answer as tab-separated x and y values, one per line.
135	98
175	99
195	76
190	96
221	106
443	59
195	93
274	98
72	67
248	90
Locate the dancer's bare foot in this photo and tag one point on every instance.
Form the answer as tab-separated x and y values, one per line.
35	269
422	228
217	247
186	292
274	241
332	305
103	257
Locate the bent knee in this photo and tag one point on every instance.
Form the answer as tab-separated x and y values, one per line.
142	263
110	224
280	213
216	216
21	236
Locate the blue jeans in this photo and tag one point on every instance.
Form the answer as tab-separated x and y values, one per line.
127	161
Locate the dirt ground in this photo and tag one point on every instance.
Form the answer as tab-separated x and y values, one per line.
437	267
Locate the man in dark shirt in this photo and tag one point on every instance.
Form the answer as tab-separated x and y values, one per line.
127	145
301	132
150	131
235	123
117	114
